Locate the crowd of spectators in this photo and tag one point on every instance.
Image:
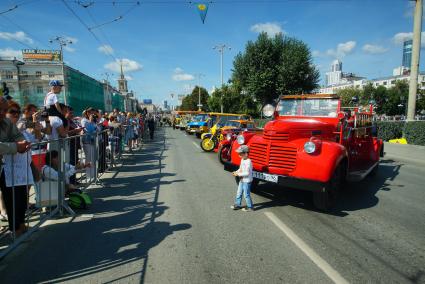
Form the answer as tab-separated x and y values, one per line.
94	136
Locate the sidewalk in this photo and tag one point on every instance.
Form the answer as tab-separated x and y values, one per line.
107	242
408	154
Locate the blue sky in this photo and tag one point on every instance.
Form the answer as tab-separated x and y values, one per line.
163	44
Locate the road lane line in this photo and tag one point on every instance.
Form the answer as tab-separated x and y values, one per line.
320	262
196	145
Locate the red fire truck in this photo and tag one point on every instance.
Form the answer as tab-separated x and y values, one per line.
313	144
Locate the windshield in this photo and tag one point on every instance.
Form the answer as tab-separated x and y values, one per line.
308	107
224	119
199	118
231	123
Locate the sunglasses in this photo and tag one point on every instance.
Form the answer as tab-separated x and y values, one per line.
14	111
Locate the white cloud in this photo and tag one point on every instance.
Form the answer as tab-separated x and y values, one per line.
106	49
342	49
20	36
374	49
316	53
127	65
179	75
9	53
128	77
270	28
399	38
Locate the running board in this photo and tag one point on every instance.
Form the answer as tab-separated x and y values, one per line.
360	175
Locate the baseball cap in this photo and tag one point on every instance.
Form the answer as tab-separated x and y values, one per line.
53	83
242	149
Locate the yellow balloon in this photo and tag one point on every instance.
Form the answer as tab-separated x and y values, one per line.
202	7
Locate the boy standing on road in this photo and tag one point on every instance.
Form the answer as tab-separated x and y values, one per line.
245	178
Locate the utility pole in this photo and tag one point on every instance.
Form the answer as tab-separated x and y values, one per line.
199	75
221	48
414	69
62	42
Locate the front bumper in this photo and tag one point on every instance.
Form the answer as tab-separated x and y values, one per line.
287	181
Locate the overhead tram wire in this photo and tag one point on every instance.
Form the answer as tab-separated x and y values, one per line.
100	29
87	27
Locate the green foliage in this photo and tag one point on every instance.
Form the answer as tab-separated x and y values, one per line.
414	132
233	101
190	102
390	101
270	67
390	129
346	96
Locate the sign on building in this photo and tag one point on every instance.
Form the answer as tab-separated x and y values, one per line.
147	101
30	55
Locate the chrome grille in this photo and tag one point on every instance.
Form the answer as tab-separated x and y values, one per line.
258	153
284	157
276	136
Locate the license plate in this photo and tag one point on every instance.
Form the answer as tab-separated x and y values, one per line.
266	177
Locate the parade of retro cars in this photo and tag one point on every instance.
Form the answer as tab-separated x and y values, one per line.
311	142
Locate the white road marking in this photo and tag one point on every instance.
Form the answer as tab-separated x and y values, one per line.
196	145
320	262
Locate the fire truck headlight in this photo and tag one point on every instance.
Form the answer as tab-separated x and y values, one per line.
228	137
309	147
241	140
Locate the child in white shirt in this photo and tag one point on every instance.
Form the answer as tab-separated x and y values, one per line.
245	174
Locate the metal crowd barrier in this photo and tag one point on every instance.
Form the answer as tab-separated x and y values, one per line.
37	182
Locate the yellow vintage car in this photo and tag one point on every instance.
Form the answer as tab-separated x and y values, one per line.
220	119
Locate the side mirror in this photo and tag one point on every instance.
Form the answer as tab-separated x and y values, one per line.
268	111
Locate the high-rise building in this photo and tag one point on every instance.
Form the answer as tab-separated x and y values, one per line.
407	53
334	76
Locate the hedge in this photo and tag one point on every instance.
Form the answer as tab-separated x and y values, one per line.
414	132
390	129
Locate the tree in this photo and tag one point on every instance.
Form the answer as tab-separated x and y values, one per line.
233	101
347	95
270	67
190	102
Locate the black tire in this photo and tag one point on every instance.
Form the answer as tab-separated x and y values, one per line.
327	199
212	146
219	152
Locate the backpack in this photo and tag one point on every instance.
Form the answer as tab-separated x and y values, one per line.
79	200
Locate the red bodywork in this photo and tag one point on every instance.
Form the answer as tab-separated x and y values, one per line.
346	139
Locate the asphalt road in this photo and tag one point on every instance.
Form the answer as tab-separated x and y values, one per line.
165	218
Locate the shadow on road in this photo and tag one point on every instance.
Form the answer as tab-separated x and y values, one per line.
123	230
354	196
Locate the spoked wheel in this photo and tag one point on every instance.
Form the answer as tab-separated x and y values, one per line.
324	201
208	144
224	153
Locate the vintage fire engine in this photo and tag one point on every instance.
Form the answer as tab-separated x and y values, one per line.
313	144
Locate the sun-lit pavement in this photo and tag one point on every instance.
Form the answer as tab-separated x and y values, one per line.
164	217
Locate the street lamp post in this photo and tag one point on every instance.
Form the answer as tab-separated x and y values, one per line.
221	48
62	42
199	75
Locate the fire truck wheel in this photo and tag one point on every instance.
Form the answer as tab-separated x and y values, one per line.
326	200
